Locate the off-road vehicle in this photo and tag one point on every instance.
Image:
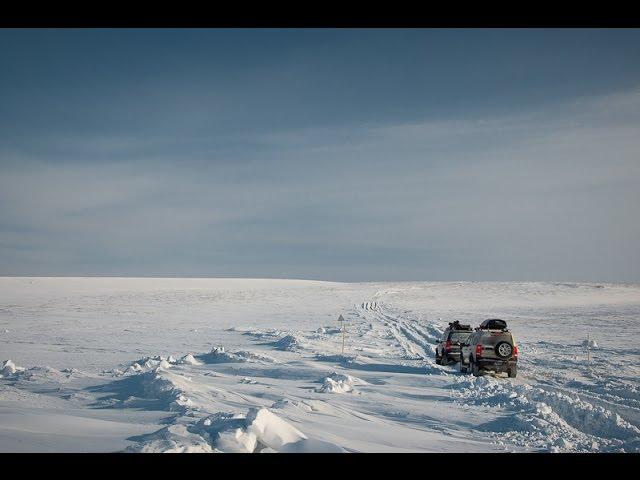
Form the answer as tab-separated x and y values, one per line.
490	347
448	349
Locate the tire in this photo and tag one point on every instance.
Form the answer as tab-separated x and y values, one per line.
512	372
504	349
463	367
438	359
475	370
444	360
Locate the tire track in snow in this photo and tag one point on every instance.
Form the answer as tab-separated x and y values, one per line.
547	419
415	340
408	349
412	333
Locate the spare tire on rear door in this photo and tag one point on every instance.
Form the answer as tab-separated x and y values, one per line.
504	349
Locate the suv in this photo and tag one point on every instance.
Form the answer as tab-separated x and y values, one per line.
448	348
490	347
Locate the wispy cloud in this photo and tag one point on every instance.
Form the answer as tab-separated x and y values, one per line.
457	199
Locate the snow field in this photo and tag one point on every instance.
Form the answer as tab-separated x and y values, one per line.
194	365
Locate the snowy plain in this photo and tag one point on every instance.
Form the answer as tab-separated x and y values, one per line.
242	365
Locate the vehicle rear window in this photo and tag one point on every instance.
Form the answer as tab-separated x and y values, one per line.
492	338
459	336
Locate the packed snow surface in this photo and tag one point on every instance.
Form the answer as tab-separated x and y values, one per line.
257	366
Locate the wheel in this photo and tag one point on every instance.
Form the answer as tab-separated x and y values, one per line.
463	367
444	360
504	349
512	372
475	370
438	359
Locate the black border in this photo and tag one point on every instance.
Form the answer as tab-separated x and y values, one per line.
267	15
303	15
517	465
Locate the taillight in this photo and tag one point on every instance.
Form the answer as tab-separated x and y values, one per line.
447	345
515	350
478	350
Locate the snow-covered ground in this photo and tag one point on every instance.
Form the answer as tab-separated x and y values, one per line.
237	365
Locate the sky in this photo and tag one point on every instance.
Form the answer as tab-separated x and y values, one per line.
344	155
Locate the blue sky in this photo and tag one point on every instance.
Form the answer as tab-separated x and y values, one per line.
326	154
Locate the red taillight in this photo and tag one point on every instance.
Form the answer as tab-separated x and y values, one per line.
478	350
515	350
447	345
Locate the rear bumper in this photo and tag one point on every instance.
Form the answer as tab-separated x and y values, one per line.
452	355
495	364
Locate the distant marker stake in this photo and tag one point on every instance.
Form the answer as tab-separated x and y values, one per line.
341	320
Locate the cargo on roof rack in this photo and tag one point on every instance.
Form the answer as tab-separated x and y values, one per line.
493	324
456	325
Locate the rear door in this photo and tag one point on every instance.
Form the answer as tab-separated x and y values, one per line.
491	339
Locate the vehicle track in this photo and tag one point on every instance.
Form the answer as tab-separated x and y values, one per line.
415	340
